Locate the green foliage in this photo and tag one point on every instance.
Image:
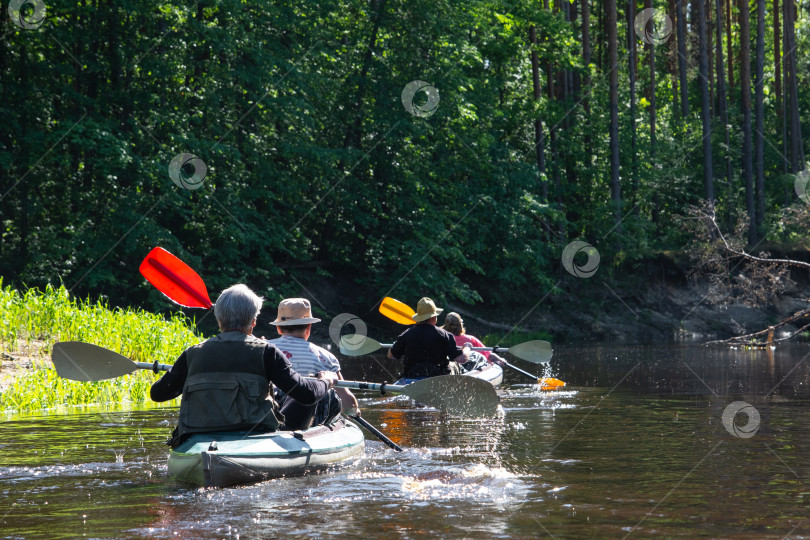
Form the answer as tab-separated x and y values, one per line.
295	108
35	320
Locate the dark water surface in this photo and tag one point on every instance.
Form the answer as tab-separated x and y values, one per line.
635	446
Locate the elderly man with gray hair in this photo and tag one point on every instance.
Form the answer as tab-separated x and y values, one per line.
225	381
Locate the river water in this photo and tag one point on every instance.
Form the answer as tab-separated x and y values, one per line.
634	446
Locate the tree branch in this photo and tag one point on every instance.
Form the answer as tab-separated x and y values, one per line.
791	262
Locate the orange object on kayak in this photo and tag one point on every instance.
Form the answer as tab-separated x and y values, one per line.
550	383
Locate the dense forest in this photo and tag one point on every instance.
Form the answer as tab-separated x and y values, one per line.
453	148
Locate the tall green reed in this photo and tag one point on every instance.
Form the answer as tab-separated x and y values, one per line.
35	320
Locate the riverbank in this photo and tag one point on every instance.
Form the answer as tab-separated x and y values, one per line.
19	358
32	321
654	301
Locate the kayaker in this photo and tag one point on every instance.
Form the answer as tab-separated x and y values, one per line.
454	324
427	350
225	381
294	325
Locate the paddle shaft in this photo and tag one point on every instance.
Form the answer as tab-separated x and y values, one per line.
374	387
485	349
377	433
356	385
510	366
155	367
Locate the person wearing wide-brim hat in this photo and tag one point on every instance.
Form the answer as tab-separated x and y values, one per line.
425	349
294	324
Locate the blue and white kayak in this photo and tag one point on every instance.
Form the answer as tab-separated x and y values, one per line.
492	373
230	458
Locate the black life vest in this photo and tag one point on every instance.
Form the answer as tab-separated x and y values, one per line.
227	388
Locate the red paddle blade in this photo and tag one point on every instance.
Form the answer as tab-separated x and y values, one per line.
175	279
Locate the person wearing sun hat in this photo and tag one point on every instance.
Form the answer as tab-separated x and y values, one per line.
294	325
425	349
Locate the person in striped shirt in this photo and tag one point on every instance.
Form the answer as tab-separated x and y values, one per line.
294	325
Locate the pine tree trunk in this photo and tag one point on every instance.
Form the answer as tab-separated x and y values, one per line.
759	150
651	53
538	124
631	60
785	105
729	53
682	58
745	110
613	62
707	11
777	59
722	102
796	149
571	176
706	114
672	59
586	54
600	26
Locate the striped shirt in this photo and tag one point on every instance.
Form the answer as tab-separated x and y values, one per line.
306	358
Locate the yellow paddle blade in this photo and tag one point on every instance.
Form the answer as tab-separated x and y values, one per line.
550	383
397	311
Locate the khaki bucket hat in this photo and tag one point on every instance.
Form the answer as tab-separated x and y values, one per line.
292	311
426	309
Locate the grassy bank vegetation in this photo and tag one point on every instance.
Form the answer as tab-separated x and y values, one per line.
35	320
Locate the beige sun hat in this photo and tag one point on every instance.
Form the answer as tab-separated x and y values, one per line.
426	309
293	311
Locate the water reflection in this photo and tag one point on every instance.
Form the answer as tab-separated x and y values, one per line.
635	445
695	370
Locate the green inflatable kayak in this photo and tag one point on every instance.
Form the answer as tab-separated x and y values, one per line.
231	458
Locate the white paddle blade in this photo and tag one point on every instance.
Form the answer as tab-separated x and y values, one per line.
537	351
456	394
84	362
358	345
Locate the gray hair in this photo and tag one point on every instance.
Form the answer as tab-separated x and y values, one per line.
236	308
